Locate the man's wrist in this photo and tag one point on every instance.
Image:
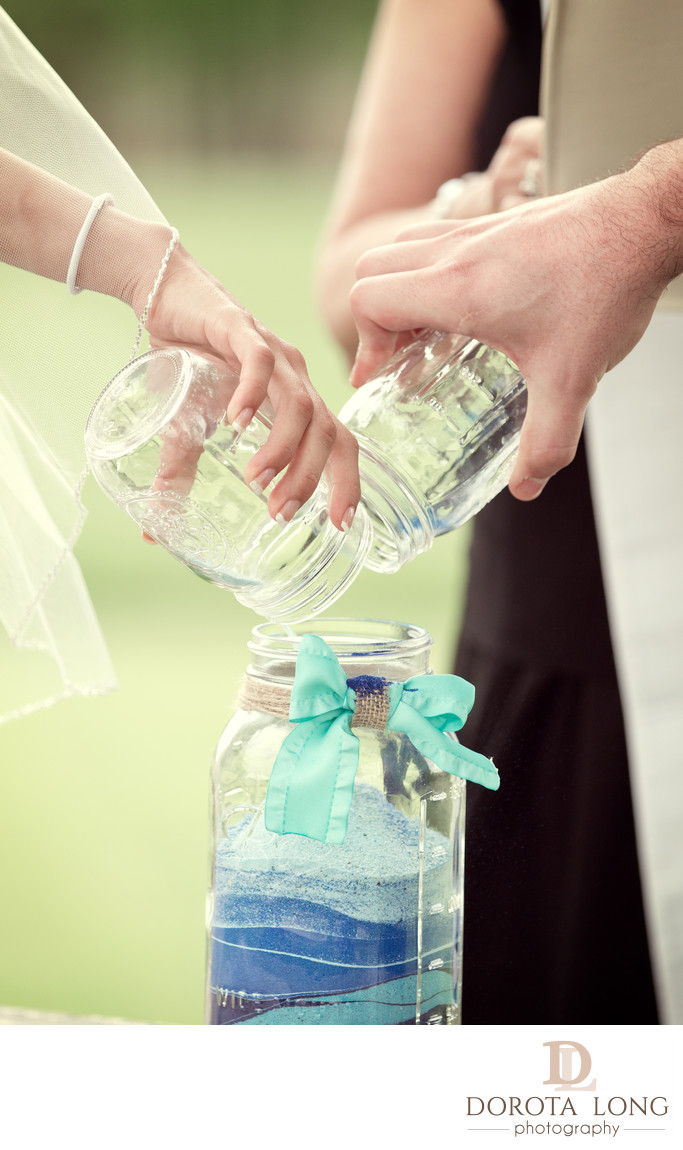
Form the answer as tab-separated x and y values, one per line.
658	174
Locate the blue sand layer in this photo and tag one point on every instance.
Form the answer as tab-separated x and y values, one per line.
372	875
391	1003
295	919
274	971
285	962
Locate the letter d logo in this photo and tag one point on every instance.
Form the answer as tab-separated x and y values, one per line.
561	1066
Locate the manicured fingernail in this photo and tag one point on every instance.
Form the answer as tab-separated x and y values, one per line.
288	511
347	521
244	418
259	484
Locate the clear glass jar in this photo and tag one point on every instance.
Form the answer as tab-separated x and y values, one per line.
438	430
159	447
368	932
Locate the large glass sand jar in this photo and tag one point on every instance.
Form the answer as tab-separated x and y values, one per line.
159	445
438	430
363	932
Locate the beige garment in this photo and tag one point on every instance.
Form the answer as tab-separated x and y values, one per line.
612	86
636	467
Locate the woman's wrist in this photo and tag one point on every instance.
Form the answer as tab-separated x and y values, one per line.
122	256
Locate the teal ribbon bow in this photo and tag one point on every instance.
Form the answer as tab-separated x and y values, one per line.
311	784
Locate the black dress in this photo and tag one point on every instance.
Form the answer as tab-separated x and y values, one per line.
554	923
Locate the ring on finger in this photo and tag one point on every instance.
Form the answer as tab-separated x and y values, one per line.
530	183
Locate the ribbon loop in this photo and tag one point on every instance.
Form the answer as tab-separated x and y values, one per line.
311	783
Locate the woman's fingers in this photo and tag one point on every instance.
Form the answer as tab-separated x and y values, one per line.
304	440
294	412
327	445
194	310
341	472
256	373
518	155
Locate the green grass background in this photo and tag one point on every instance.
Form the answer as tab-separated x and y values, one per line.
103	802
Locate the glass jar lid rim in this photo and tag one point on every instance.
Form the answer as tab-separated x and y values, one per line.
101	441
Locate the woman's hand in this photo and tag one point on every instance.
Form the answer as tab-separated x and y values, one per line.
516	170
192	309
514	175
121	257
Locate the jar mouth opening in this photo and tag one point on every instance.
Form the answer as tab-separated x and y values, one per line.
348	638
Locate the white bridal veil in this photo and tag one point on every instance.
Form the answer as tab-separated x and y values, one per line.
56	354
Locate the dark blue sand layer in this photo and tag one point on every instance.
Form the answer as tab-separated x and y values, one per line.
391	1003
255	960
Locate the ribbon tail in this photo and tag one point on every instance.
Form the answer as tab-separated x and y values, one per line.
475	767
311	783
445	752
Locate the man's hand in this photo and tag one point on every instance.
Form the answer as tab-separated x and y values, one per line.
565	286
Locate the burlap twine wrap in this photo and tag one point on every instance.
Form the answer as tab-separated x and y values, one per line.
372	699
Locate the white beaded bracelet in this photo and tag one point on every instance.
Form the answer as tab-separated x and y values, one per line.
155	287
82	236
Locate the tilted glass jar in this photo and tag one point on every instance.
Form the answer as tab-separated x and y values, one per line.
159	446
363	932
438	430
